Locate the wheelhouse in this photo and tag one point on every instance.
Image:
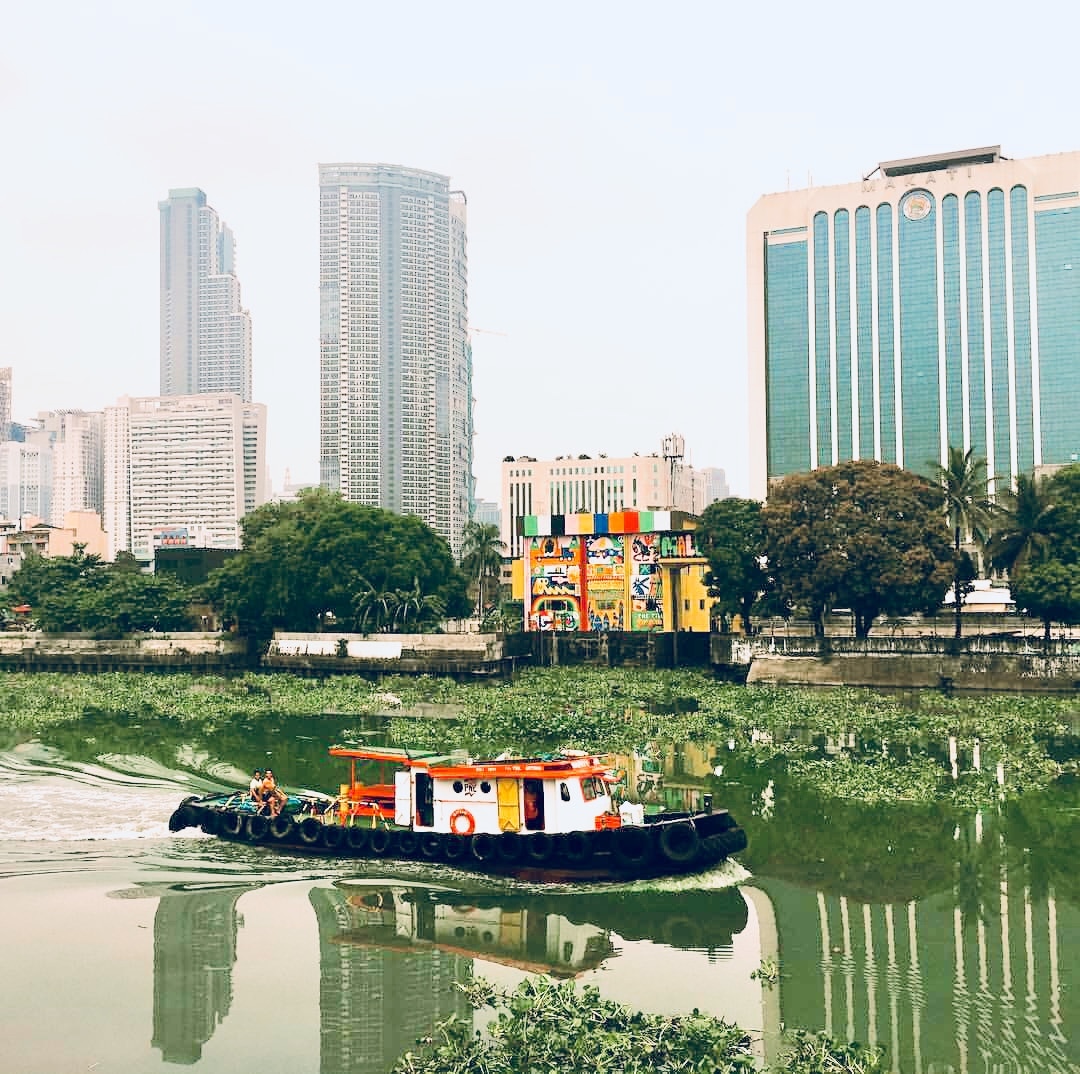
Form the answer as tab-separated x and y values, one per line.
452	794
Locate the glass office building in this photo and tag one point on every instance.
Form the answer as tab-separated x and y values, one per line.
935	303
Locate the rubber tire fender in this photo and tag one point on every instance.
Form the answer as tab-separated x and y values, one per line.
332	837
211	822
232	824
679	843
455	847
576	847
509	846
406	844
282	827
539	847
379	841
431	846
309	830
180	819
632	845
256	828
356	839
483	846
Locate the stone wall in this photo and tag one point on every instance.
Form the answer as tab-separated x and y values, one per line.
977	663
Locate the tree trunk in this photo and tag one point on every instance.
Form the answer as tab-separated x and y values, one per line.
958	605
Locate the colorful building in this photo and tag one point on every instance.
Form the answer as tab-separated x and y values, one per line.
626	570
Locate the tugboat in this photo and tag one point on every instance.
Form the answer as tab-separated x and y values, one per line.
550	818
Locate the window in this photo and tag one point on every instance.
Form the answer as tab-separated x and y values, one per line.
564	792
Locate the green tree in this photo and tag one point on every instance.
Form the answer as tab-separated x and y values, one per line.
1023	524
731	537
963	482
863	535
323	559
481	557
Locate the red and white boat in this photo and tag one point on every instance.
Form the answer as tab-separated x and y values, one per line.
539	818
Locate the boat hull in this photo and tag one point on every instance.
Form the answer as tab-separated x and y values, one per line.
670	844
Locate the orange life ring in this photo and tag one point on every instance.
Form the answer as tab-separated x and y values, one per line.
462	822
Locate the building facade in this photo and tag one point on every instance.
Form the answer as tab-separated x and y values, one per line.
570	484
205	332
934	304
619	570
395	395
74	440
194	462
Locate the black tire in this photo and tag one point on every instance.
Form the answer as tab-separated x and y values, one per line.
576	847
332	837
211	822
379	841
310	830
179	820
731	841
406	844
257	828
431	846
632	846
232	824
679	843
483	846
455	847
356	839
539	847
282	827
509	847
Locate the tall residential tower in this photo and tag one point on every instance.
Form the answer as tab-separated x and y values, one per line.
205	333
934	304
395	392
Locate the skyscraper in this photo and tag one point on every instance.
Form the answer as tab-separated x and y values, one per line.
395	393
205	334
934	304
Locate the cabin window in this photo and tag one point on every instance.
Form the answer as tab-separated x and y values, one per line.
458	786
425	800
592	787
533	796
485	787
564	792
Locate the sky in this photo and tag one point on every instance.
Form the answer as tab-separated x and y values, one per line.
609	152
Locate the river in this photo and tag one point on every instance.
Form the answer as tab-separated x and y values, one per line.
951	941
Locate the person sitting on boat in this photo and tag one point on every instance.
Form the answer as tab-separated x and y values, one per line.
272	795
255	787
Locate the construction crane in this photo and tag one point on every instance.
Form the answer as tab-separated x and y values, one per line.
486	331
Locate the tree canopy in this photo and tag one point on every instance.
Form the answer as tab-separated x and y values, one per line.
80	592
323	559
864	535
731	537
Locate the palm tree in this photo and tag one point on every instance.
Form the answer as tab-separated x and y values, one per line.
1023	524
963	480
482	556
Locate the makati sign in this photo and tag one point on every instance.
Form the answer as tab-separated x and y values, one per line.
899	182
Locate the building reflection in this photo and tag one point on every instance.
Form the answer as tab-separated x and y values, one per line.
195	934
377	997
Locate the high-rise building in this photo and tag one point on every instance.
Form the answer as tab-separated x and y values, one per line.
5	404
395	394
74	439
933	304
205	333
26	479
715	483
192	464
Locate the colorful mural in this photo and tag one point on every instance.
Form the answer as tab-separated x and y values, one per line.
555	582
612	572
646	583
605	582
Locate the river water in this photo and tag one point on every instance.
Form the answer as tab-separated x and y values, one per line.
951	941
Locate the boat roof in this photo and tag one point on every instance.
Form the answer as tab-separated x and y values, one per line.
566	762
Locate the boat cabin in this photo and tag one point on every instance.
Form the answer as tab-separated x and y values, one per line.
427	792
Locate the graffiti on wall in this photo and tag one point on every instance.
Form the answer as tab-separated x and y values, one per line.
555	583
605	582
646	584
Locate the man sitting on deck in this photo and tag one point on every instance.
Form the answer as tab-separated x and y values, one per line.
255	788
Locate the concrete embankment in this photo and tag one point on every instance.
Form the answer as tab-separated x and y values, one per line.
1026	664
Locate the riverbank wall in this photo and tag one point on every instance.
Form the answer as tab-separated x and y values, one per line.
75	653
1006	664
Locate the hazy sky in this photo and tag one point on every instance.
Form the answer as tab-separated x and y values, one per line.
609	152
